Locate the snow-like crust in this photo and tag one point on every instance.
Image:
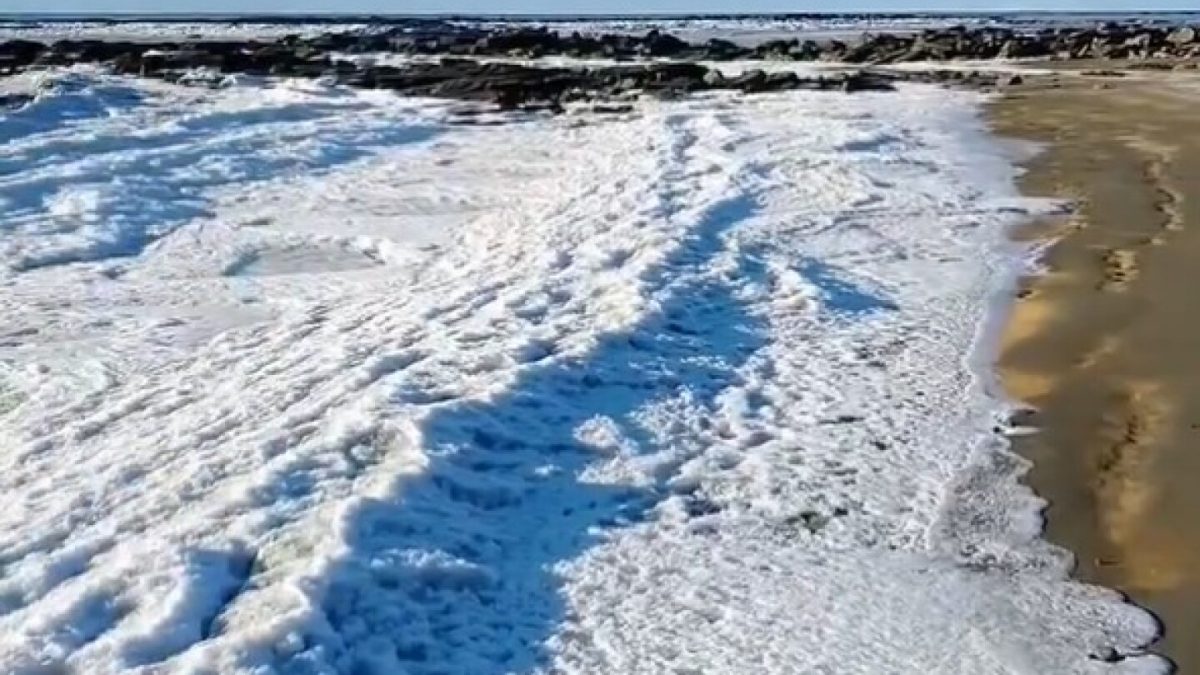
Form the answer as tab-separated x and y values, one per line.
307	380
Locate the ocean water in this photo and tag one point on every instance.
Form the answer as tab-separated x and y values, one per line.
301	379
742	28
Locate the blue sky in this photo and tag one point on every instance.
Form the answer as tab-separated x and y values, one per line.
568	6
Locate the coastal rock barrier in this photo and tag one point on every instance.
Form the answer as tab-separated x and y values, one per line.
1105	41
508	85
458	61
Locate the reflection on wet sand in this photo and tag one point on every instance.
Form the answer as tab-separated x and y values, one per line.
1103	345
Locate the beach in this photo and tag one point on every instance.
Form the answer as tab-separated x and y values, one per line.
447	347
1102	343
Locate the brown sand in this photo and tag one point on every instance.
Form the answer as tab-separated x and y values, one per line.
1106	346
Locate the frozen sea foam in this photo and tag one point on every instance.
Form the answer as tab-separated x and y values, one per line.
295	379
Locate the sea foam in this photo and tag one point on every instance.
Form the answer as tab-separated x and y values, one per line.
303	380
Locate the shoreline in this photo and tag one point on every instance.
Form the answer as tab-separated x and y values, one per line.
760	353
1097	341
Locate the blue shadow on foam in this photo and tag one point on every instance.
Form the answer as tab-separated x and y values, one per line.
162	177
839	294
74	101
455	575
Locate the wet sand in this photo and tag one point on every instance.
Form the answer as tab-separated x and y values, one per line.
1105	347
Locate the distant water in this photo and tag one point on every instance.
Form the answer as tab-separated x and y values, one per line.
747	29
815	19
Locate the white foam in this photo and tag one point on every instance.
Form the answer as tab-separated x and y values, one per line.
751	31
692	389
51	31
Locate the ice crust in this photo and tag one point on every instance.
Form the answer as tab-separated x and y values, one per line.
303	380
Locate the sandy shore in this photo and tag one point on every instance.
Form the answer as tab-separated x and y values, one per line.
1105	347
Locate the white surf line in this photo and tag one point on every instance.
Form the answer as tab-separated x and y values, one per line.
859	513
686	390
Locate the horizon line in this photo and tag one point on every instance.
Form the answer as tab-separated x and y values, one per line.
607	15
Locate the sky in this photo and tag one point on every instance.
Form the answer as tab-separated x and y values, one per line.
570	6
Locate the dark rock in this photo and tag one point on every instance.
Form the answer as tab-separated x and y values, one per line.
512	86
524	40
787	50
833	50
19	53
662	44
866	82
776	48
1107	655
724	50
14	101
675	72
805	51
65	52
749	81
459	76
812	521
182	59
781	81
698	507
612	108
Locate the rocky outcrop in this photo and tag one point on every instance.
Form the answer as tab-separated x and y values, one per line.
17	54
513	86
505	84
1107	41
667	65
438	38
